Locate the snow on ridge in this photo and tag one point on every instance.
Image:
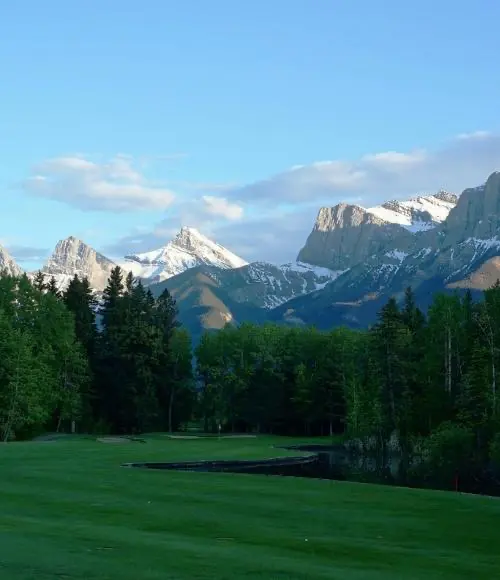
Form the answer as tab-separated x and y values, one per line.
286	281
483	243
188	249
416	214
302	267
423	253
397	255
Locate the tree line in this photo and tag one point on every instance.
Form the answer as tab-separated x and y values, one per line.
423	385
124	364
67	362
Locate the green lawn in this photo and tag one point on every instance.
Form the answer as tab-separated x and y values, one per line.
68	510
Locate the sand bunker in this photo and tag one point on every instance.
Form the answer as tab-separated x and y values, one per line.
114	440
211	436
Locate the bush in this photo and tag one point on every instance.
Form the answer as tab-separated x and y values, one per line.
446	454
495	450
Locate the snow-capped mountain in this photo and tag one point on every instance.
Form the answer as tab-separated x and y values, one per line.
347	234
72	256
209	296
287	281
187	250
418	213
268	285
8	264
463	251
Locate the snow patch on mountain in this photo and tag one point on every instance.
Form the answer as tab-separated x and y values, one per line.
187	250
419	213
276	284
397	255
481	246
319	271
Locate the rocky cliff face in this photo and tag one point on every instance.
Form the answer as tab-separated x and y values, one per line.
71	256
187	250
8	265
345	235
460	252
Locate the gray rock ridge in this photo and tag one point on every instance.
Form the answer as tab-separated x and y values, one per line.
8	264
72	256
463	251
345	235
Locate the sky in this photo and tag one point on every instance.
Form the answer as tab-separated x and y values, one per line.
121	121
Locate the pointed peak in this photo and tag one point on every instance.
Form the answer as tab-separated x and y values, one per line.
493	177
447	196
188	231
8	263
189	237
70	240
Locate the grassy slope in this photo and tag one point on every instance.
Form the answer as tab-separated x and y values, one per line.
67	510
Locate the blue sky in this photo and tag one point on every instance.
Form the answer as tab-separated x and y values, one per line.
122	120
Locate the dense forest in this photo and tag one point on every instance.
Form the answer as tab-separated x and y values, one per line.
419	384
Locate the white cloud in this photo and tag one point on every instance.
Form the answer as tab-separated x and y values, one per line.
475	135
462	162
394	161
112	186
28	253
286	204
220	206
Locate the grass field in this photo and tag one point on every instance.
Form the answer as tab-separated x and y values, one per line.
69	511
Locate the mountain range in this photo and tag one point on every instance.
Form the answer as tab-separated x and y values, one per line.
354	259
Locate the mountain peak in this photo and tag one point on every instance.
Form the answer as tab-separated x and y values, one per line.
72	256
8	264
446	196
343	215
189	248
190	238
418	213
346	234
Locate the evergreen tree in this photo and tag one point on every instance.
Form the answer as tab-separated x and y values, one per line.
392	340
111	299
52	287
79	300
110	370
39	281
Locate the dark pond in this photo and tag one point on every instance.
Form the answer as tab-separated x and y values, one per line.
335	463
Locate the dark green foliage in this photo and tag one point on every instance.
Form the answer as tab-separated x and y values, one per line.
143	383
43	368
52	288
39	281
406	379
428	385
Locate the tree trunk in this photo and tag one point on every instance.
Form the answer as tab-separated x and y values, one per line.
448	360
170	409
59	421
493	381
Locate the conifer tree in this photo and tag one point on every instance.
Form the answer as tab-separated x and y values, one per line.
39	281
110	370
52	287
79	300
392	340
